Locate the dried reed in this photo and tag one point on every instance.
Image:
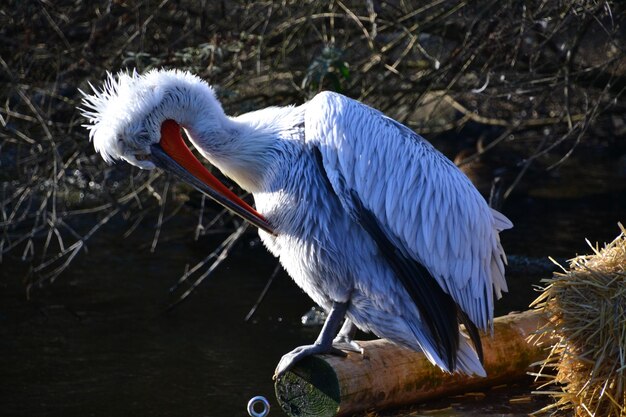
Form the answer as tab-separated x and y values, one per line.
586	307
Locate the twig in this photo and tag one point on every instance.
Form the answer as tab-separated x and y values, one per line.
258	302
220	254
162	202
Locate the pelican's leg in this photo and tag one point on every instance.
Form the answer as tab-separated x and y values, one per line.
323	343
344	339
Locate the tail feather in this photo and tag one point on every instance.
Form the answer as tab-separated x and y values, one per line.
467	359
501	221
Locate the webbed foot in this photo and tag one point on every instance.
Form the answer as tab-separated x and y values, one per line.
346	343
344	340
290	359
323	344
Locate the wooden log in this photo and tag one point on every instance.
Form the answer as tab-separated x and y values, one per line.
388	375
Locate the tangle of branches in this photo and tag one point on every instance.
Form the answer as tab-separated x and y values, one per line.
542	77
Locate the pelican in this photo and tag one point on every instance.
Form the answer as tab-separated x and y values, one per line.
380	229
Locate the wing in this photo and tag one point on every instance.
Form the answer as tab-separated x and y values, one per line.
425	207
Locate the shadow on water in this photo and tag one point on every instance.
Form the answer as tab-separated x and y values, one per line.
99	342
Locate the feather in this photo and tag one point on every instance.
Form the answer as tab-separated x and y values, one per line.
422	204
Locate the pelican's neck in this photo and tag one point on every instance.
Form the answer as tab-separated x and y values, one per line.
242	148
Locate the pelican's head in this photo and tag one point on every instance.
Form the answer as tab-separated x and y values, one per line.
138	118
126	116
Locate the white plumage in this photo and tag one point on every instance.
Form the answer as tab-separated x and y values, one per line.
365	213
426	206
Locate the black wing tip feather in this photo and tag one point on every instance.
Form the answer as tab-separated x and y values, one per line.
437	308
472	331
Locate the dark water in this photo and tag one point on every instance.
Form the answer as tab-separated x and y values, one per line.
99	342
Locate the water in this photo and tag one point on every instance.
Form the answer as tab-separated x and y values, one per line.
99	342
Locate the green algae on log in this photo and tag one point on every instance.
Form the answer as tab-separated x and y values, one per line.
388	375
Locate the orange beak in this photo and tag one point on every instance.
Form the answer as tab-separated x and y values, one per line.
173	155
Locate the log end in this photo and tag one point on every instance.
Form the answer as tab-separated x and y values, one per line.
310	389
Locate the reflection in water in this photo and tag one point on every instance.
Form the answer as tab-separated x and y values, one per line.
99	343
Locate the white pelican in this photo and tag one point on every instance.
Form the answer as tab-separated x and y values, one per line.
373	223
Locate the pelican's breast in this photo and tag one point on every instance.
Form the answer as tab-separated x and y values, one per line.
309	220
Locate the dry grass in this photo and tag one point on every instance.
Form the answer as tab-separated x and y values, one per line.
586	306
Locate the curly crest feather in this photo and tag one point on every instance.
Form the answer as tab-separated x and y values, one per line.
126	113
